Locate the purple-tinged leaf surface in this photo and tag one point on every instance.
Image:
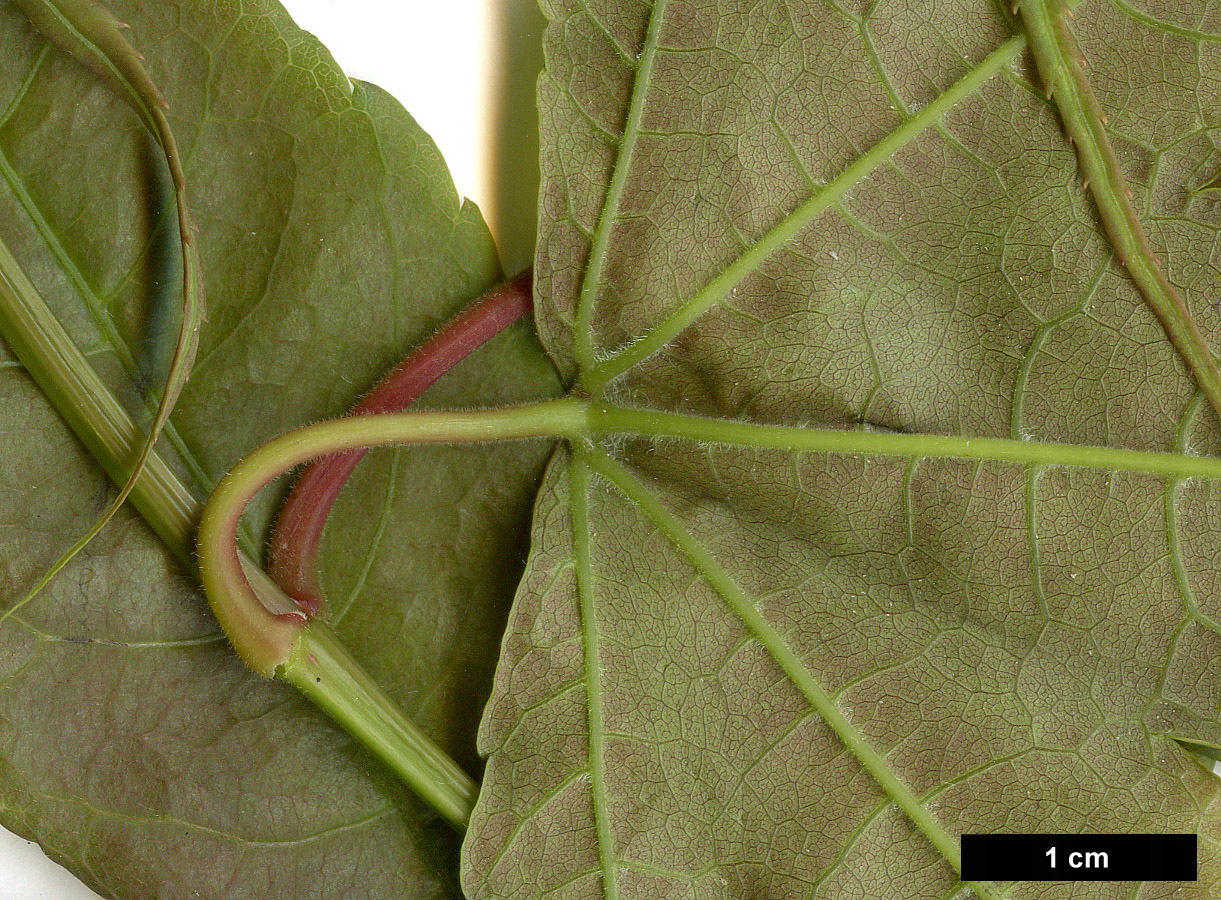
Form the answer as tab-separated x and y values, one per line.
856	215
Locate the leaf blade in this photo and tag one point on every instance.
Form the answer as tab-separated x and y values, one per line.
244	760
976	621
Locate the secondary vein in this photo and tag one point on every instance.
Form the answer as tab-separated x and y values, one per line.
805	681
1060	67
593	669
614	365
592	282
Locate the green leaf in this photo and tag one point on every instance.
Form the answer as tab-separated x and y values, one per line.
133	744
743	671
90	33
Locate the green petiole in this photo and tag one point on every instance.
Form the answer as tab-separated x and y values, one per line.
275	639
321	668
51	358
260	628
267	624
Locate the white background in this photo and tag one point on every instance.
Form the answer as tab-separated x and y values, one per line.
466	70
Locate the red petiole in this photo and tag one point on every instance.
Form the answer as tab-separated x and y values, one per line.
294	544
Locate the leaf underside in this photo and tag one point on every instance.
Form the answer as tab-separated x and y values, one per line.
1021	646
133	744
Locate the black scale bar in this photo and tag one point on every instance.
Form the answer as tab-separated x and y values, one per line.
1079	857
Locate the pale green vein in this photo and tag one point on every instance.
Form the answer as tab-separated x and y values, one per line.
875	61
384	176
611	420
840	858
1189	415
742	606
544	702
178	822
527	817
878	378
1184	586
1061	69
204	641
582	550
24	89
626	55
83	641
909	515
663	873
598	128
592	282
1173	488
1162	668
1146	19
1032	536
101	318
1018	412
966	776
379	534
614	365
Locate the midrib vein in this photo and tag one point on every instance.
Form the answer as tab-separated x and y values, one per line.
615	421
579	487
789	662
595	376
591	284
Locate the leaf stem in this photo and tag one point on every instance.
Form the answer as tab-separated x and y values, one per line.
1060	66
272	623
264	633
292	557
49	355
322	669
271	634
91	34
68	380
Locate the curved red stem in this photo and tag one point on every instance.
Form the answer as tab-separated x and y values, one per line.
294	543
